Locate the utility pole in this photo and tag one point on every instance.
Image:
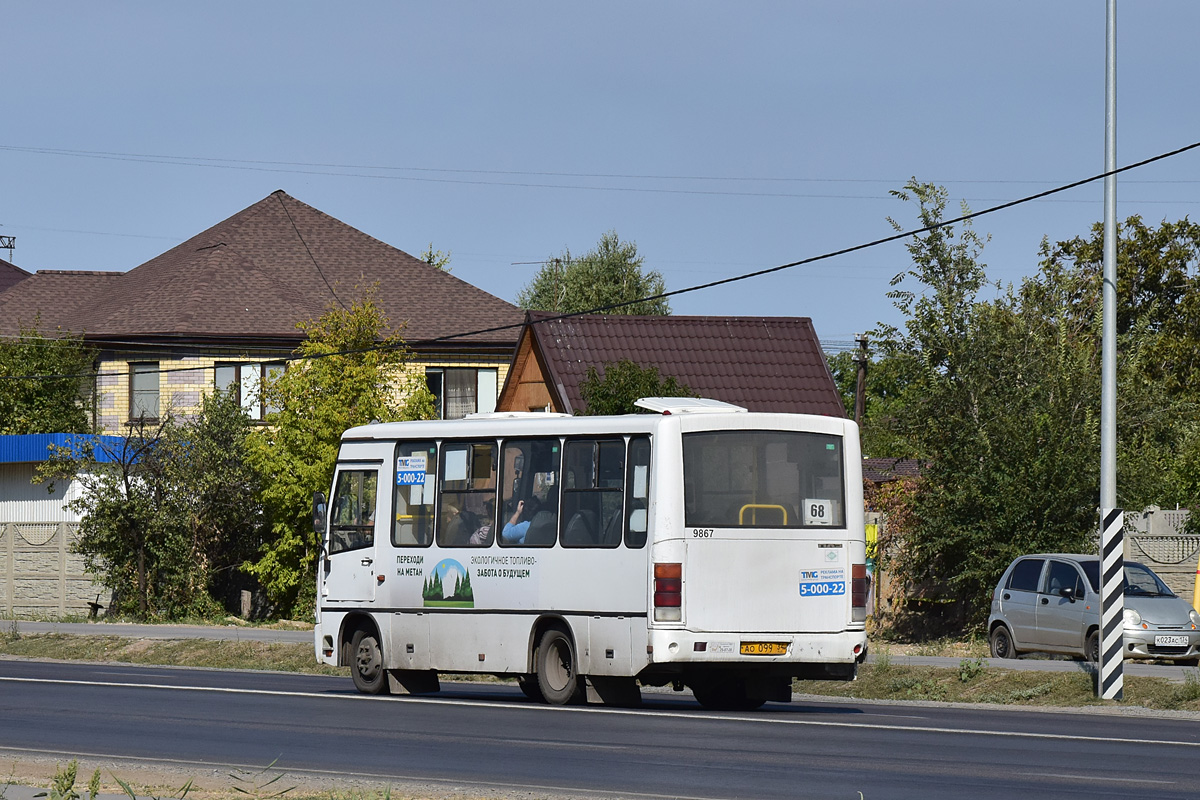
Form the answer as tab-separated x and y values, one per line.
860	389
8	243
1111	683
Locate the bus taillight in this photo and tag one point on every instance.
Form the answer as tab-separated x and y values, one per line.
860	587
668	592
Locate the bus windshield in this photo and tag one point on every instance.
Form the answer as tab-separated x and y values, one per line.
763	479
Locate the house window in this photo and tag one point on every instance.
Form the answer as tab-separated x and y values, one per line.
459	391
143	390
245	381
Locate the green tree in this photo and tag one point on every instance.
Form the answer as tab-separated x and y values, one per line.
622	383
1158	348
221	492
348	372
436	258
167	512
45	383
888	378
1158	292
999	404
611	273
128	531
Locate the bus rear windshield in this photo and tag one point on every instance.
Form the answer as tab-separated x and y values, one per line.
763	479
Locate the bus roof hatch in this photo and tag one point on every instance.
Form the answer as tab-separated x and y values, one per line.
686	405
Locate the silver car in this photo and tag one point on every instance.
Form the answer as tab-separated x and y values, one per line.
1050	603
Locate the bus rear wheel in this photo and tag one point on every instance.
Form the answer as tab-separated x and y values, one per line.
557	675
366	663
726	695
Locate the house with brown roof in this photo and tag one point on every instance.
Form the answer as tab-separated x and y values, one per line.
761	363
221	309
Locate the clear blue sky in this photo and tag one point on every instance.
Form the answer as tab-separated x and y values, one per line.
722	138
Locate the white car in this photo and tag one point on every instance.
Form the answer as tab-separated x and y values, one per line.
1050	603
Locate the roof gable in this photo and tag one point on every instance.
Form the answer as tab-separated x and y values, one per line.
772	364
275	264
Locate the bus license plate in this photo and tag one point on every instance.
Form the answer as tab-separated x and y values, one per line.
1170	641
764	648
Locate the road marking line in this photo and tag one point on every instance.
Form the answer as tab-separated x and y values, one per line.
1104	778
768	720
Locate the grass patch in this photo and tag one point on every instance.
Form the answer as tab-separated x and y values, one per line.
276	656
973	682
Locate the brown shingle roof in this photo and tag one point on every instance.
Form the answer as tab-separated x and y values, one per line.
882	470
10	274
276	263
55	299
762	363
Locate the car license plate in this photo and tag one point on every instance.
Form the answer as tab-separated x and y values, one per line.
1170	641
764	648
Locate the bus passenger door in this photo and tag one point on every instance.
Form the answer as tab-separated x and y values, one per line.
349	566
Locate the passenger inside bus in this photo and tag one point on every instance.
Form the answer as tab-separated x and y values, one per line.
518	524
482	536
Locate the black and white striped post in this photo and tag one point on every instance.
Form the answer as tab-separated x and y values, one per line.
1112	605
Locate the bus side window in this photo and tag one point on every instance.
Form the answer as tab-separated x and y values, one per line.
416	467
530	476
637	492
467	497
594	493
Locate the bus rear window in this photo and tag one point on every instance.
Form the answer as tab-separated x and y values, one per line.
763	479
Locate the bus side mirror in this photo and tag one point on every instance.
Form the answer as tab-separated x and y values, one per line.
318	514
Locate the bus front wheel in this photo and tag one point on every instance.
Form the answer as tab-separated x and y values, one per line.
556	669
366	664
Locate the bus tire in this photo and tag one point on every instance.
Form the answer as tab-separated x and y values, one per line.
366	663
557	670
726	695
529	687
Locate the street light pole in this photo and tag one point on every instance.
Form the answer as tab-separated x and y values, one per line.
1110	686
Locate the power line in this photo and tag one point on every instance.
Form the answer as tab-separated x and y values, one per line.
203	160
333	170
712	284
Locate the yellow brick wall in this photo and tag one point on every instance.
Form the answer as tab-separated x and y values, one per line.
182	381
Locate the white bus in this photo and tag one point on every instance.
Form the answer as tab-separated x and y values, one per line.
699	545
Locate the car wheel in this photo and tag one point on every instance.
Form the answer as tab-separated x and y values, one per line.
1001	643
1093	647
366	664
557	677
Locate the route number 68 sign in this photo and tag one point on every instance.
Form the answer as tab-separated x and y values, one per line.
818	512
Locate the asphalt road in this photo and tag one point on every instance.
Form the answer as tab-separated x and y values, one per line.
487	739
236	633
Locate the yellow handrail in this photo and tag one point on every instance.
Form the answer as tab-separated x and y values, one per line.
742	513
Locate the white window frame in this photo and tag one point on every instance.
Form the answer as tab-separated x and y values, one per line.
487	389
